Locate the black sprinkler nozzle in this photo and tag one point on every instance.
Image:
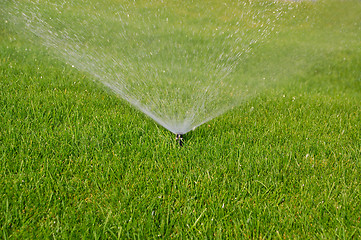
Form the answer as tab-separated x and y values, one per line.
179	138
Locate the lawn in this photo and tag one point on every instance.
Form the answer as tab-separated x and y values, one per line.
76	161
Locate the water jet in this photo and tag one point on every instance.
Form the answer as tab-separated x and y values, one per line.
147	52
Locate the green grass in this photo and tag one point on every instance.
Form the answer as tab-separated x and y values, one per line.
77	162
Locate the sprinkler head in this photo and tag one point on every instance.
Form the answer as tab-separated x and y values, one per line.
179	138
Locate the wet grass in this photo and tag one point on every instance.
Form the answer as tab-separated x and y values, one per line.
77	162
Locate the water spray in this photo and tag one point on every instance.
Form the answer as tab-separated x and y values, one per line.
179	139
216	86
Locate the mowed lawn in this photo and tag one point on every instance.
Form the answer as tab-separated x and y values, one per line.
78	162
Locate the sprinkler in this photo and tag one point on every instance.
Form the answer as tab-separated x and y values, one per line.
179	138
